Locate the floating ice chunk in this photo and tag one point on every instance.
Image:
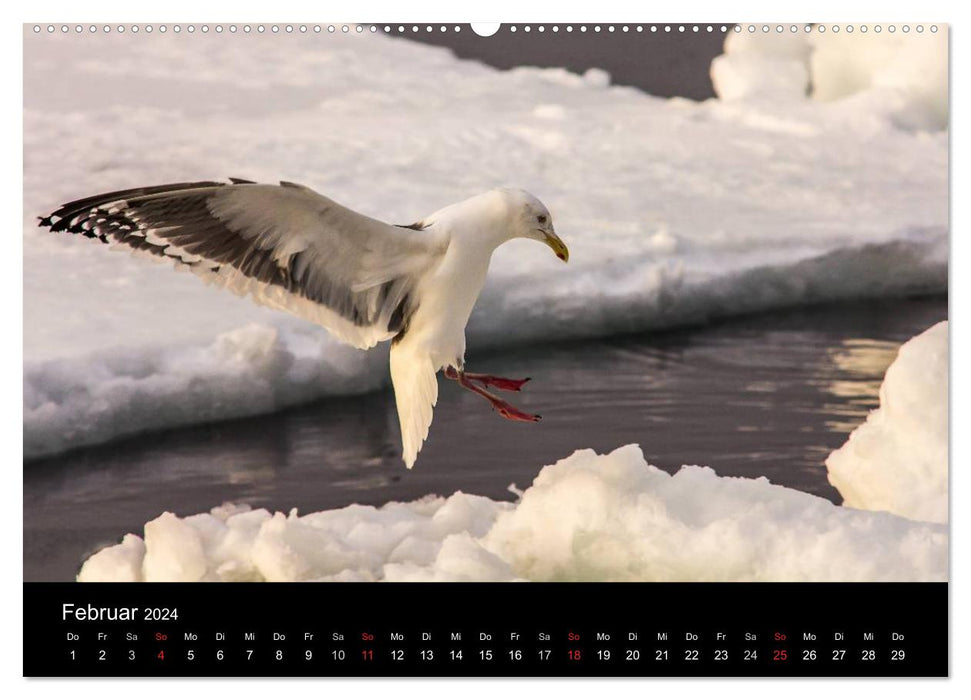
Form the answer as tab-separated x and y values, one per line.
596	77
899	77
612	517
460	558
246	371
173	550
588	517
898	460
762	65
907	71
120	563
287	549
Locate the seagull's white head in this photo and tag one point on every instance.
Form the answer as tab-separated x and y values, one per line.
497	216
527	217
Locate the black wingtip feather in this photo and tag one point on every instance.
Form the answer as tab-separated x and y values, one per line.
241	181
71	209
61	225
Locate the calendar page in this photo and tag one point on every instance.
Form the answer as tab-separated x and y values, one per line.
485	350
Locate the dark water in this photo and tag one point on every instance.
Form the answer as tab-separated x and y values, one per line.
768	395
664	64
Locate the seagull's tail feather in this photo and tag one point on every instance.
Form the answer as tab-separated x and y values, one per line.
416	393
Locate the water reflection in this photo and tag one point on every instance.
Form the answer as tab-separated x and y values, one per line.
762	396
852	373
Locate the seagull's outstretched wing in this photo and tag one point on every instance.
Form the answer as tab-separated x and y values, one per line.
284	245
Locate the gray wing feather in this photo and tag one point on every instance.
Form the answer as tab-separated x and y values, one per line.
284	245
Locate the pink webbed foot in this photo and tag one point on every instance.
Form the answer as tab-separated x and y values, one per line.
503	408
510	412
501	383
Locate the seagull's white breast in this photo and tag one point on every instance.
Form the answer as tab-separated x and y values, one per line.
446	296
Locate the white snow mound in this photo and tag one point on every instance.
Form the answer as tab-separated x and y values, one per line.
900	78
898	460
588	517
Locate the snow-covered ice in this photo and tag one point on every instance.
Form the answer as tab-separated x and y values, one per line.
588	517
898	460
674	211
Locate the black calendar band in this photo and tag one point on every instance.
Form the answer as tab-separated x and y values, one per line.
473	629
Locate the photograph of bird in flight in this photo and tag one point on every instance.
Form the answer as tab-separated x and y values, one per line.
713	366
290	248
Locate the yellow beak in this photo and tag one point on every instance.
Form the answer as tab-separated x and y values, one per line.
558	246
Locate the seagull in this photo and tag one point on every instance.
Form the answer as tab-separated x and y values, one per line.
287	247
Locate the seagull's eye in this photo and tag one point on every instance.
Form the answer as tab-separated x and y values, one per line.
541	219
